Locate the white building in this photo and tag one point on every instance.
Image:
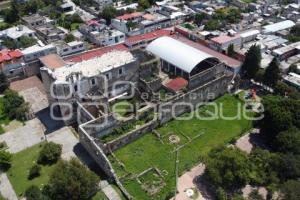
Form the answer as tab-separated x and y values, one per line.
64	48
34	52
273	28
292	79
16	32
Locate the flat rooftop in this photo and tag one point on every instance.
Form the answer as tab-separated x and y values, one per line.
94	53
95	66
287	48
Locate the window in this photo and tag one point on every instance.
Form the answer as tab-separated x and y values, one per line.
81	45
65	50
75	88
93	81
74	47
120	71
108	76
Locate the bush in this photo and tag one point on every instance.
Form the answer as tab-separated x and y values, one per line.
50	153
33	193
34	171
14	105
5	159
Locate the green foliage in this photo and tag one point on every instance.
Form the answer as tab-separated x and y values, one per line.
5	160
34	171
4	83
221	194
259	76
272	73
264	167
229	168
230	50
108	13
294	35
290	190
143	4
212	25
252	61
288	167
279	115
288	141
50	153
15	106
254	195
198	18
34	193
66	21
23	42
69	38
72	180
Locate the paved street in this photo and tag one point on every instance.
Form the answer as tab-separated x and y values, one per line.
23	137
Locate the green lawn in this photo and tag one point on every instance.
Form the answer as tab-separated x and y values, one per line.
100	196
4	120
149	151
21	163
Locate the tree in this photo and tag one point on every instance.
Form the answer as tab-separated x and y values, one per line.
34	171
288	167
230	50
259	76
143	4
199	17
34	193
254	195
212	25
271	75
108	13
14	105
50	153
288	141
71	180
264	163
228	168
290	190
5	159
4	83
252	61
69	38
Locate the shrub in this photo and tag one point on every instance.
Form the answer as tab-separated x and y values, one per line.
34	171
33	193
50	153
5	159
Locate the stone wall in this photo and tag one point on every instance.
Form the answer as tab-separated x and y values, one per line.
130	137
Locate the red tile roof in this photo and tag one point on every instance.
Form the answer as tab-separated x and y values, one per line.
95	53
7	55
224	39
130	16
147	36
176	84
231	62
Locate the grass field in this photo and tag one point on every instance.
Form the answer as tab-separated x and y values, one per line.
150	151
21	163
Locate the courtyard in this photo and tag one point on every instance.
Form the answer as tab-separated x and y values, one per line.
175	148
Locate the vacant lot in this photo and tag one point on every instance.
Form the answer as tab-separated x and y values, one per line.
195	138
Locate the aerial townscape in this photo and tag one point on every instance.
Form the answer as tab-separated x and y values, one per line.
149	100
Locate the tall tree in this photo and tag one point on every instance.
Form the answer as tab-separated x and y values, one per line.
252	61
71	180
230	50
290	190
4	83
108	13
271	75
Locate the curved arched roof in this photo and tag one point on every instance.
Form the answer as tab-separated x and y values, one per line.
177	53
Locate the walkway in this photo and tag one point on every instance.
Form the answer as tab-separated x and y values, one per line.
109	191
26	136
186	181
6	188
